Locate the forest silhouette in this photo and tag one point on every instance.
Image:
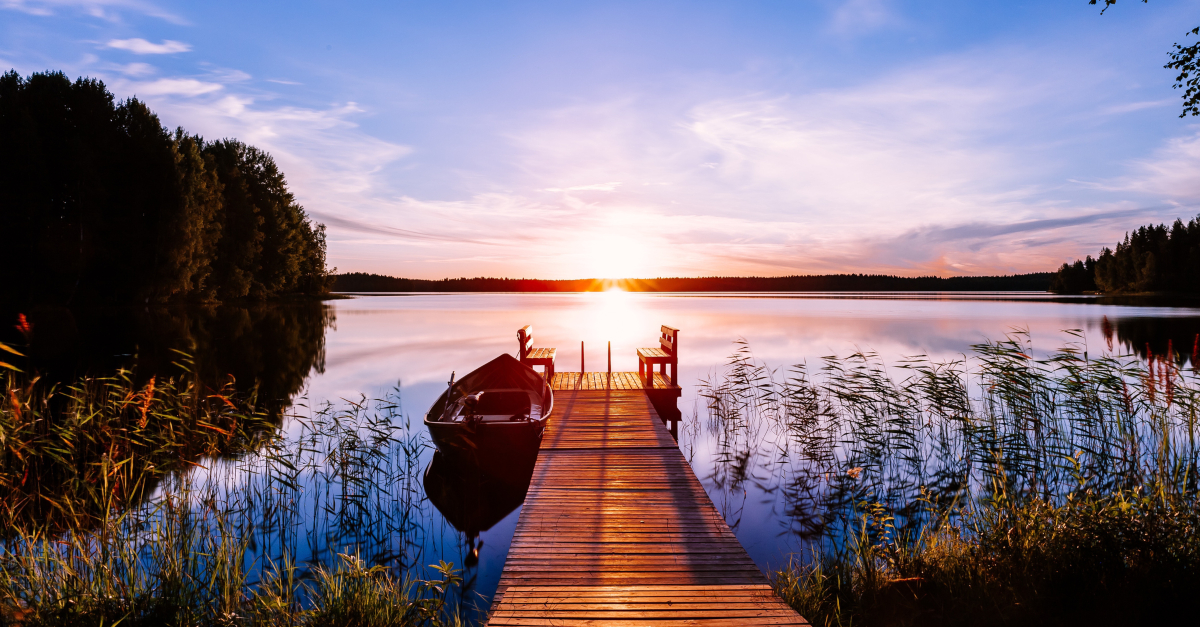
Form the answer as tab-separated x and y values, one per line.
102	204
1036	282
1150	259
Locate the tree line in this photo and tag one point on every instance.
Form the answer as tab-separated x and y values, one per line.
1150	259
364	282
101	203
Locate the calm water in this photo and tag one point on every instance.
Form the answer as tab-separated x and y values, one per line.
370	344
417	340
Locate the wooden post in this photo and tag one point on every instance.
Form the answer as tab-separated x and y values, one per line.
609	381
581	368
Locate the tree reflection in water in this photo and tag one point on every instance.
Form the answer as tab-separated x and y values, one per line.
267	348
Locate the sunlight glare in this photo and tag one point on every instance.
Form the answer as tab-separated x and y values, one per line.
617	316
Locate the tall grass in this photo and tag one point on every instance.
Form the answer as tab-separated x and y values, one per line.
996	488
69	454
162	504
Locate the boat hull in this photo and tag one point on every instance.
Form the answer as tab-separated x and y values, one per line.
486	444
518	403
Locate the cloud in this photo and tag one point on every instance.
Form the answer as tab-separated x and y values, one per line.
141	46
226	76
103	9
320	149
858	17
999	245
362	226
596	187
135	69
970	146
956	165
1137	106
1170	172
331	164
170	86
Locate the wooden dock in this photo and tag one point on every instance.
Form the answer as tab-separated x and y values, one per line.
617	530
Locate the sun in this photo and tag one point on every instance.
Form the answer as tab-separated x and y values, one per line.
617	316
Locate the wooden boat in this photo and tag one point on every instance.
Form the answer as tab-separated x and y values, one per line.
494	413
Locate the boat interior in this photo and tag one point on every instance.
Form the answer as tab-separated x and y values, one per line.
500	405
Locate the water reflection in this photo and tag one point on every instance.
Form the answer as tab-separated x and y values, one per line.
1178	337
418	339
474	499
786	451
270	349
322	352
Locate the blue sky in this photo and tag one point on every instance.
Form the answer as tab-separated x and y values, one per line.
582	139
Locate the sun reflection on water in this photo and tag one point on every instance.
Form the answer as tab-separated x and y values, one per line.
620	317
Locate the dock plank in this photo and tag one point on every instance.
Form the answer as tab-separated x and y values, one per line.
573	381
617	530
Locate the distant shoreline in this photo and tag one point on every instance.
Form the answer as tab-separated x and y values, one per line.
1036	282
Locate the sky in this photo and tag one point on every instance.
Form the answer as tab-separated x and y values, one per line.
657	138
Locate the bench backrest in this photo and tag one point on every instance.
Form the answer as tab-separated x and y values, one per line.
524	341
669	339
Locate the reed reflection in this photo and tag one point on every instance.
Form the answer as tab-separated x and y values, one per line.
126	398
899	445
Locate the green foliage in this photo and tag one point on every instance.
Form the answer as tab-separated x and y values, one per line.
69	454
195	575
101	203
1183	60
1150	259
999	489
1075	278
1109	3
1119	558
278	531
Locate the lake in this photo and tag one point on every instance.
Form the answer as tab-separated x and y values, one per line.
415	341
374	345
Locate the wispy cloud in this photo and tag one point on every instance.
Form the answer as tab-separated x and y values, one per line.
331	164
135	69
1172	171
372	228
170	86
1137	106
595	187
835	180
953	165
103	9
860	17
141	46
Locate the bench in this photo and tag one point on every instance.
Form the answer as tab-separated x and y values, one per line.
531	356
666	354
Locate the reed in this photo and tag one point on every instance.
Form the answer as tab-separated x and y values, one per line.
162	504
996	488
69	454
